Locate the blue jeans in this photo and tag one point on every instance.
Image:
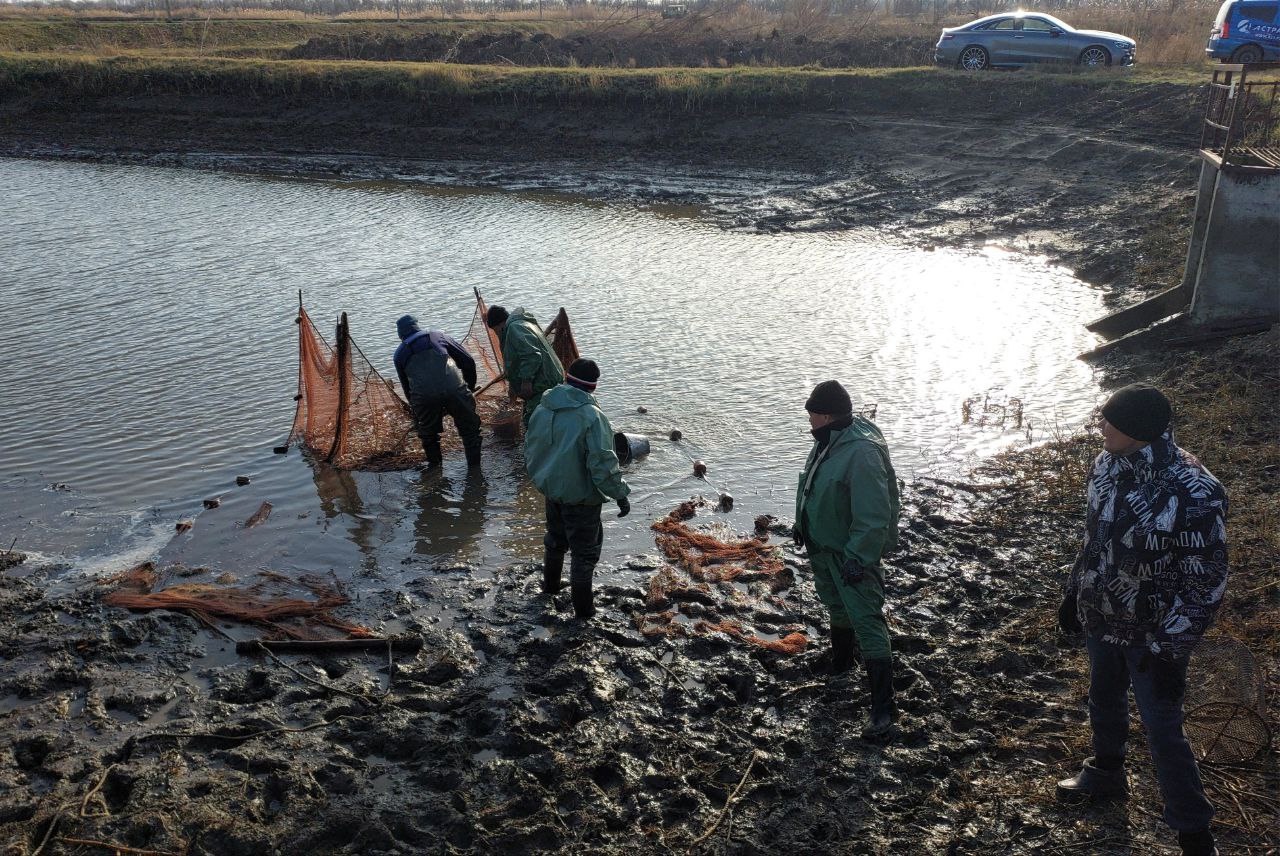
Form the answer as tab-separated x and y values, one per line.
1158	688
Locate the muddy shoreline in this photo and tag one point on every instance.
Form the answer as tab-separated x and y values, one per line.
1099	181
518	728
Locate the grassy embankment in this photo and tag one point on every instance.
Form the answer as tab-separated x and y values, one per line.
74	76
721	35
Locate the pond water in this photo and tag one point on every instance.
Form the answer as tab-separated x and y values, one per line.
151	358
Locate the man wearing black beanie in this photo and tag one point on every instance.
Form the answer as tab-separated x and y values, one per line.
569	453
847	517
1144	589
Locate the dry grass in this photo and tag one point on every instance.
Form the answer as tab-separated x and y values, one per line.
1164	37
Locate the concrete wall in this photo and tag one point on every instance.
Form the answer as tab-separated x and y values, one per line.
1237	227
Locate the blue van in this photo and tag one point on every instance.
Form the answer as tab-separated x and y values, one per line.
1246	31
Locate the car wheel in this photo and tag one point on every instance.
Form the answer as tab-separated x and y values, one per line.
974	58
1095	56
1248	53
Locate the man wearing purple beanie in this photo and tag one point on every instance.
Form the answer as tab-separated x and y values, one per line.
1144	589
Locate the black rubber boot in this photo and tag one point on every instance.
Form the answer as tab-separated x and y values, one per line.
1199	843
432	452
583	602
1095	782
883	710
842	653
552	569
472	451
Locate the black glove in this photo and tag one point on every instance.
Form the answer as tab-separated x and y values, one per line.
1069	615
624	507
1168	674
852	572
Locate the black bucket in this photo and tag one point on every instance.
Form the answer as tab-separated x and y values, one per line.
630	446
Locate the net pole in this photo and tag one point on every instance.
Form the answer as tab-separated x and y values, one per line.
344	369
298	396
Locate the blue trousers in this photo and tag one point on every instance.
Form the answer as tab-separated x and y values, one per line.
1158	687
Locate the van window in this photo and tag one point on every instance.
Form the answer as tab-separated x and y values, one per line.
1261	12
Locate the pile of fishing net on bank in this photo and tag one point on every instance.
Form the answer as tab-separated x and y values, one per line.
350	416
285	608
709	576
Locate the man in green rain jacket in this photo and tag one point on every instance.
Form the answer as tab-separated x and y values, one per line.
847	517
530	363
568	451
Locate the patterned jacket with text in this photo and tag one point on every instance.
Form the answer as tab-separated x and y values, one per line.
1153	567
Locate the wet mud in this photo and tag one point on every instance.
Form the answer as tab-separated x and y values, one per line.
519	728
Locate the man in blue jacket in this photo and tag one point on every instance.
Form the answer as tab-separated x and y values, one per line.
438	376
569	454
1144	589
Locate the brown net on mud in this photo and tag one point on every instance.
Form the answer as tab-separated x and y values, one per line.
352	417
1226	702
271	603
703	570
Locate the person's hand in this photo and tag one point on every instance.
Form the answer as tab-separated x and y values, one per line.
1168	674
624	507
852	572
1069	615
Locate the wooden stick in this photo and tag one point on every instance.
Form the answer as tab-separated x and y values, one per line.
117	848
319	646
729	802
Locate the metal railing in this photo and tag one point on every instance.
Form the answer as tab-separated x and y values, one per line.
1242	117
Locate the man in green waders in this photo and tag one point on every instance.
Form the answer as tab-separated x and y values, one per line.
847	517
569	452
530	363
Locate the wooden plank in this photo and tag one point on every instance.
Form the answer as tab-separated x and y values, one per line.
328	646
1149	311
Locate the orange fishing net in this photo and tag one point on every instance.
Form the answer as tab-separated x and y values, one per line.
710	567
350	416
268	603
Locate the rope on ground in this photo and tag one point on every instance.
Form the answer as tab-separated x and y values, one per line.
84	804
755	753
48	833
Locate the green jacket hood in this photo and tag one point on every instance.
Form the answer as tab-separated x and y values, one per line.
569	452
566	397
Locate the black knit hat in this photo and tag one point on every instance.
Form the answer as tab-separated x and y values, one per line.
829	399
1139	410
496	315
583	373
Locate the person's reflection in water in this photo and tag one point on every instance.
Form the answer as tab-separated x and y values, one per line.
451	516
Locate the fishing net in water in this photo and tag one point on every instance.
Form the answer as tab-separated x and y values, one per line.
274	602
702	580
1226	702
350	416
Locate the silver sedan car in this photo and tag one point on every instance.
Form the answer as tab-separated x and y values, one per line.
1016	39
